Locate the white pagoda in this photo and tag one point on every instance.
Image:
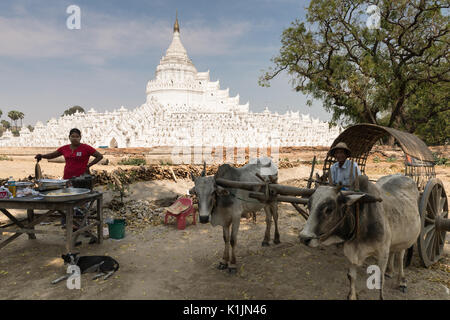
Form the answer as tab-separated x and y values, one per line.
183	108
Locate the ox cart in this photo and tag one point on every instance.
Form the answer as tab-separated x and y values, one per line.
419	165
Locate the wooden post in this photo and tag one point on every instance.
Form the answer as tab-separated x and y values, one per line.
300	210
100	219
311	174
30	215
69	229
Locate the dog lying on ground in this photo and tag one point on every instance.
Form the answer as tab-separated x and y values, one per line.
103	265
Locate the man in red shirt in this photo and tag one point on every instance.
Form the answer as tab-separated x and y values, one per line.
76	155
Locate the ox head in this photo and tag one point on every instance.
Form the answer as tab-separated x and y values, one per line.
326	209
206	190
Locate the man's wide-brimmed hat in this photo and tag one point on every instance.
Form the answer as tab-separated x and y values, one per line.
342	146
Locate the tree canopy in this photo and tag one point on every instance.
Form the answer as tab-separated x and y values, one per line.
14	116
397	75
72	110
5	124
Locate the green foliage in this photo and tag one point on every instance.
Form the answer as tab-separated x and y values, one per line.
5	124
396	76
163	163
440	161
15	115
119	184
73	110
5	158
133	162
391	159
30	127
376	159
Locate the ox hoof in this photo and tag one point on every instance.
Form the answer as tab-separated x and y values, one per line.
403	288
232	270
352	296
276	241
265	243
222	266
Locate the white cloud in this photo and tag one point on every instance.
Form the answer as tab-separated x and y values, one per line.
103	37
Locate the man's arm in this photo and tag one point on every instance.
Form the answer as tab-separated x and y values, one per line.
98	157
332	177
357	169
51	155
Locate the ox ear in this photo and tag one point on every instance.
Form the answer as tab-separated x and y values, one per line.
350	199
222	191
192	176
192	191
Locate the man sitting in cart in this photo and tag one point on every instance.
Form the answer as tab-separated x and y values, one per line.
341	171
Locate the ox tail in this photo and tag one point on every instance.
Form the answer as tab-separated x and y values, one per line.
409	255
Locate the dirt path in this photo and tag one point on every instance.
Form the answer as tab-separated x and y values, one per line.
162	262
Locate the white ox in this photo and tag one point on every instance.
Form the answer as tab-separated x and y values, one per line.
385	229
225	207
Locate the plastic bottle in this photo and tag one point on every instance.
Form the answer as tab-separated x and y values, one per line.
12	186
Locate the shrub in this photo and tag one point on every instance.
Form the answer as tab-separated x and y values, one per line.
391	159
133	162
5	158
440	161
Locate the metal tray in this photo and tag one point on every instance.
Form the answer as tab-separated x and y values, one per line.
61	194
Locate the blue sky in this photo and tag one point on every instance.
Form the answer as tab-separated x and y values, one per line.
46	68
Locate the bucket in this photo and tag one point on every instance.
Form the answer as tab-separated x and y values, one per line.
117	229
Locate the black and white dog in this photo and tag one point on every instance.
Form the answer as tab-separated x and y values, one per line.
103	265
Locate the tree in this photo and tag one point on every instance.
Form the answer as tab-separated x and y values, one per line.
20	115
30	127
72	110
396	76
5	124
14	116
1	112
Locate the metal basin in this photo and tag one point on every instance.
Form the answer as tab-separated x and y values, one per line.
51	184
66	194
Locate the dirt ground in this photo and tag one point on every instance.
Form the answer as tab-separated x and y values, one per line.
161	262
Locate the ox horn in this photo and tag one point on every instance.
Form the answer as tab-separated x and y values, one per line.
204	169
358	196
338	187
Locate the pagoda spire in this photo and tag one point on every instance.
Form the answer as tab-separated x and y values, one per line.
176	26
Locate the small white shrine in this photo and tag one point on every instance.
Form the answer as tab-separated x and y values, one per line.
183	108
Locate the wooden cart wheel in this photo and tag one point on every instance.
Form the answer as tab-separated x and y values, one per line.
433	207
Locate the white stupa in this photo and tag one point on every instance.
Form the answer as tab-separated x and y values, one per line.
183	108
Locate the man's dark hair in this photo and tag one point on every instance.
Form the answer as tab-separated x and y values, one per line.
75	130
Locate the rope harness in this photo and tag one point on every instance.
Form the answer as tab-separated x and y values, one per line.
354	233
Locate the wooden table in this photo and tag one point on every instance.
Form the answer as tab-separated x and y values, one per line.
21	226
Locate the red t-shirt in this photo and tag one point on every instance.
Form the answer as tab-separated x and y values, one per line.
76	160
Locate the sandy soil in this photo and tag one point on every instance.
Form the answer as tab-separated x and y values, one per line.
161	262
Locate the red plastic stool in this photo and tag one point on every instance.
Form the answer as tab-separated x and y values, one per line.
180	209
